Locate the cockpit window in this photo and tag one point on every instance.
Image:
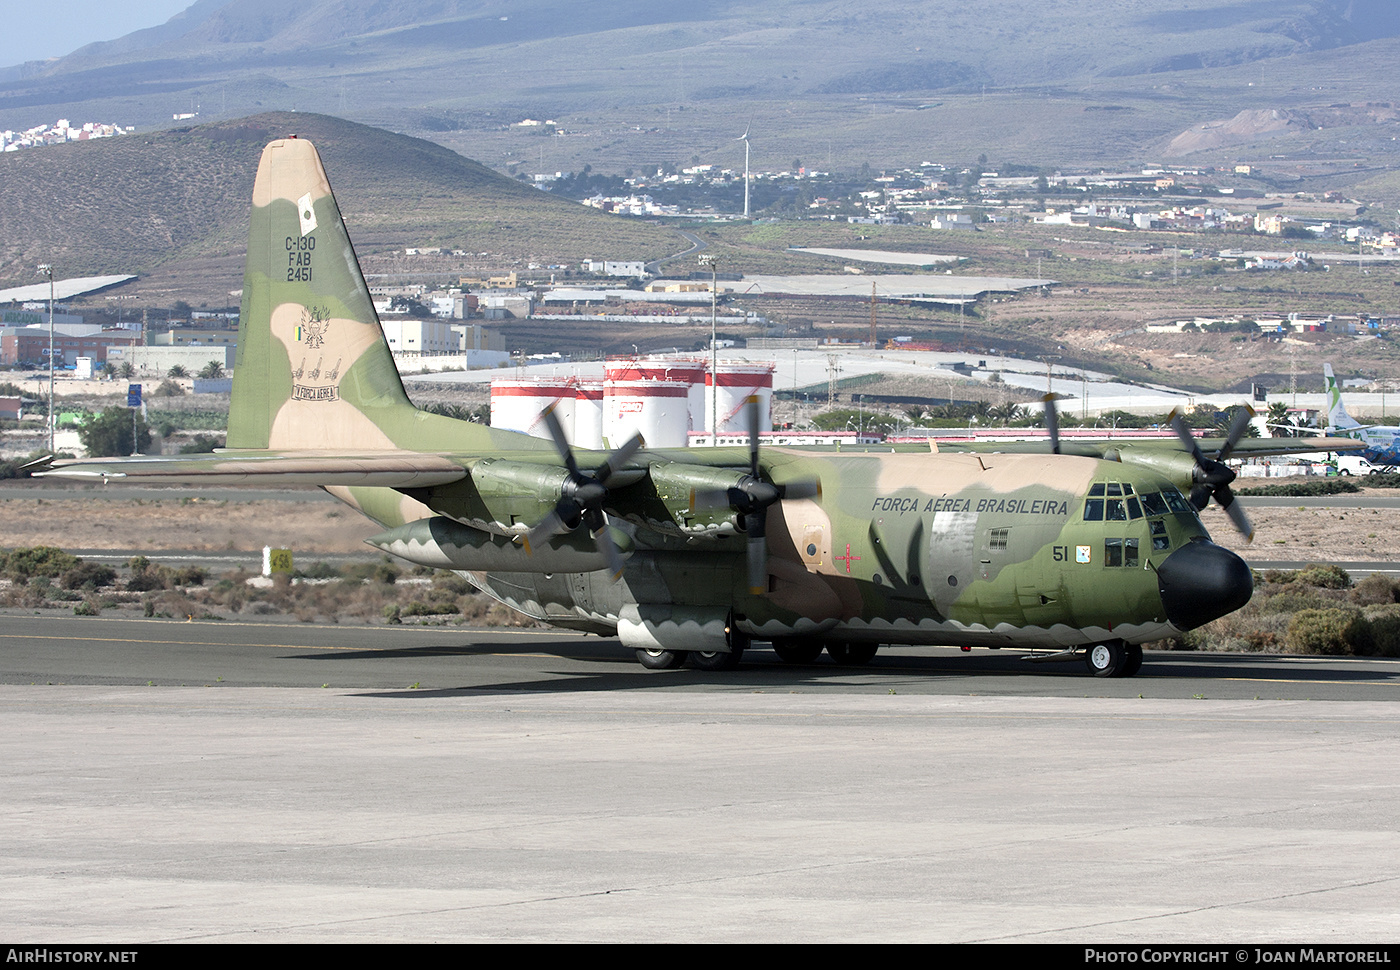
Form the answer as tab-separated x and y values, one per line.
1120	503
1176	503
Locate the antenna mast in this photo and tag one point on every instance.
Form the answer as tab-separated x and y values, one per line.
745	139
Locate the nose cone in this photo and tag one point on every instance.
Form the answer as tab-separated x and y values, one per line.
1201	582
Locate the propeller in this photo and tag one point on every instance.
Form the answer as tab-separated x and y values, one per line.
582	495
1052	422
751	496
1211	475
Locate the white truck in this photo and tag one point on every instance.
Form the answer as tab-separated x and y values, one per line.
1356	465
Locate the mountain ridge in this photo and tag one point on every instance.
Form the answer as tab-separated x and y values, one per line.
137	202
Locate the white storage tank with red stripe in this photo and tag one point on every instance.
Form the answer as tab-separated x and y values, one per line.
588	415
657	410
738	381
516	405
689	371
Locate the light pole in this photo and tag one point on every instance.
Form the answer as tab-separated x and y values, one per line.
1049	382
712	261
46	269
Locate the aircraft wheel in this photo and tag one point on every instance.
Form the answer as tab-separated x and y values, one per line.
1106	659
1134	660
661	659
714	660
852	654
797	651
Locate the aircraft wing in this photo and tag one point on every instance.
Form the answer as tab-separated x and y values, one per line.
1109	447
394	470
1272	447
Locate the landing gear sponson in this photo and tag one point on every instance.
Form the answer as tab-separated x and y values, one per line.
1111	659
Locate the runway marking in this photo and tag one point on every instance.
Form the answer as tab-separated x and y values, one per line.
1286	680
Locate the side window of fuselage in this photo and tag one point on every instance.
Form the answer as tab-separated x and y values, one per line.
1120	552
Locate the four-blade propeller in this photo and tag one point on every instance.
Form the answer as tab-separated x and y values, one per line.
1212	476
582	495
751	497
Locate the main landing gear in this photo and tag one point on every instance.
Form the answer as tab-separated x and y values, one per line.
796	651
1114	659
697	659
661	659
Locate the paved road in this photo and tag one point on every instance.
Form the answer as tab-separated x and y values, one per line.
79	650
696	244
539	786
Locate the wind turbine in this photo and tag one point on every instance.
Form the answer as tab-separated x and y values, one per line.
745	139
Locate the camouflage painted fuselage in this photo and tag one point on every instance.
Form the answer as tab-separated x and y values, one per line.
990	550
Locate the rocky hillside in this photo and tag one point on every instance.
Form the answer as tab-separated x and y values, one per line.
132	203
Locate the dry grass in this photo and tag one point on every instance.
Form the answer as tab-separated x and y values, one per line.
188	523
1300	534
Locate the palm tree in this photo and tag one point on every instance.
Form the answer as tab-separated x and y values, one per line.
212	371
1006	413
177	371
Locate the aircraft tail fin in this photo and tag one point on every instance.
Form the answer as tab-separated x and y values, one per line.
1337	416
313	370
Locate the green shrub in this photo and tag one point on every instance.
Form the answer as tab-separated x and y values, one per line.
88	575
1325	575
1332	632
1385	629
38	561
110	433
147	576
379	572
318	570
1321	486
1375	590
419	608
1291	601
203	444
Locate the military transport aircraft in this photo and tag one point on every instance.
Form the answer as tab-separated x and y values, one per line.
689	555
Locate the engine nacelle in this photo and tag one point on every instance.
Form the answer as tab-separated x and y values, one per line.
1177	467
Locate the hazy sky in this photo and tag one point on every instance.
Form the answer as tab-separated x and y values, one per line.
34	31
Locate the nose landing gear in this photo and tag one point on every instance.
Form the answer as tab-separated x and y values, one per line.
1114	659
